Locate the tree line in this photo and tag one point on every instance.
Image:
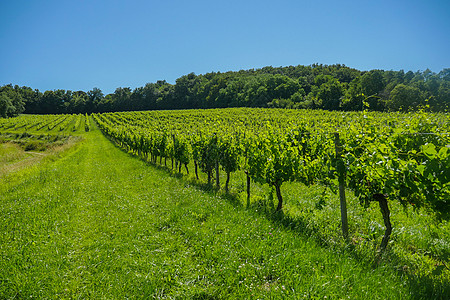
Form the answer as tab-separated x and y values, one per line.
329	87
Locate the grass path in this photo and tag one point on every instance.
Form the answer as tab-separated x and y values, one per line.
100	224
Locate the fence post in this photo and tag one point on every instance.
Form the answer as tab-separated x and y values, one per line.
248	189
341	178
217	174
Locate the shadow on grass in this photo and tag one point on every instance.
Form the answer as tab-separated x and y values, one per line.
422	286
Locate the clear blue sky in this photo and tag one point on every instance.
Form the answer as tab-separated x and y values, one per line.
81	44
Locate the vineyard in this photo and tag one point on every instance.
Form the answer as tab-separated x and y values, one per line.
27	139
403	157
315	173
50	124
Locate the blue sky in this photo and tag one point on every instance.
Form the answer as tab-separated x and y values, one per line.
78	45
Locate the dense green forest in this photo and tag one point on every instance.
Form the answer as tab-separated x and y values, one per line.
329	87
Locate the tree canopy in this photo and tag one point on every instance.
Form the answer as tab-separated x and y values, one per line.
330	87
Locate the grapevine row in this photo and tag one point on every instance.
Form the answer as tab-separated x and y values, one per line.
403	157
44	123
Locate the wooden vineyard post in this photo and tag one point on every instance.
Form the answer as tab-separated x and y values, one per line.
341	174
217	174
248	189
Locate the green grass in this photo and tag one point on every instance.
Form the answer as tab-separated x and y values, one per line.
9	153
20	151
419	244
101	224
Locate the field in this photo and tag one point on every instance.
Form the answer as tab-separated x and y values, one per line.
96	217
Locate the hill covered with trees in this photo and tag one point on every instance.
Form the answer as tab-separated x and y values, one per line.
329	87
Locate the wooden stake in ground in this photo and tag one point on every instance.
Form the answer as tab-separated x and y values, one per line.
248	189
217	174
341	174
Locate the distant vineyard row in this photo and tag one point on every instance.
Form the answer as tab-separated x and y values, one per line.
46	123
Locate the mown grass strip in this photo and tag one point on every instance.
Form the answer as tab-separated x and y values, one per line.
99	223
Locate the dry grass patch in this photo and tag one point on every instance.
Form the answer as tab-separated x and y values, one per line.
13	157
